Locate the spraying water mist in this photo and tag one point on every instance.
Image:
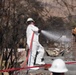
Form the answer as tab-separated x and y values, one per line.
55	37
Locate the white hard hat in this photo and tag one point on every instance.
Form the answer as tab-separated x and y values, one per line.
29	19
58	66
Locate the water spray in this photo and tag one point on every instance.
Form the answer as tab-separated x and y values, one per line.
55	37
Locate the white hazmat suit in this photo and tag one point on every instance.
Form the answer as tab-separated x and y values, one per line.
36	46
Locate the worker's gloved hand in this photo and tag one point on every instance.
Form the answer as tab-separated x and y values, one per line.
39	31
73	34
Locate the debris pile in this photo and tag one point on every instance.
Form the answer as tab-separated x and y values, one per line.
57	50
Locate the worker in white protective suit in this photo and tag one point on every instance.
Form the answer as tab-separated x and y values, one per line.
32	33
58	67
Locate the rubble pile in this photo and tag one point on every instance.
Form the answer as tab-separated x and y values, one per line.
53	51
57	50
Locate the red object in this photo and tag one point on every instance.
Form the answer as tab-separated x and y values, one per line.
25	62
26	68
